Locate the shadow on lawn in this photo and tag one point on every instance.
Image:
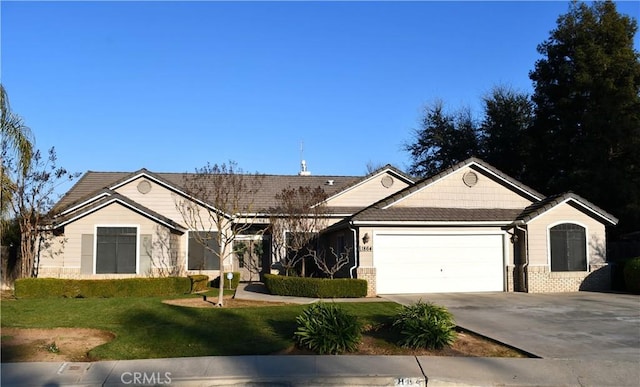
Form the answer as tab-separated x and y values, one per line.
174	331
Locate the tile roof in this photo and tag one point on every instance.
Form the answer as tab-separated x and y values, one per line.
435	214
92	183
538	208
112	196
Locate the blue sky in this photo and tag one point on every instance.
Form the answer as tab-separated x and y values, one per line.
117	86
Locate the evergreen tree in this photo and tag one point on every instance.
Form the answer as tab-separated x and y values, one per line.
586	134
442	140
507	118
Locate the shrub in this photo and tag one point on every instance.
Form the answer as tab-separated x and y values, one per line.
199	282
425	325
315	287
234	282
127	287
632	275
327	329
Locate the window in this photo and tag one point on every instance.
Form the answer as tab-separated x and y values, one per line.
568	247
199	257
116	250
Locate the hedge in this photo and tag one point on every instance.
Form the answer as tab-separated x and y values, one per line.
126	287
632	275
315	287
199	282
234	282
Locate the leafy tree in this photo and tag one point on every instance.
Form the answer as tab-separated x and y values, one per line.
586	133
16	138
508	115
442	140
219	199
14	132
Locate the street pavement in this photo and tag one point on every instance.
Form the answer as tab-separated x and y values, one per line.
583	339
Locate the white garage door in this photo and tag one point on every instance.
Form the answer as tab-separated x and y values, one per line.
438	263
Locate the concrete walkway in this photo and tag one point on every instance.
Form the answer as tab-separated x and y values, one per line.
343	370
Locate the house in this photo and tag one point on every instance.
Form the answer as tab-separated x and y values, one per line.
471	228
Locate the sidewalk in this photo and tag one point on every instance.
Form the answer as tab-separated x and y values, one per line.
324	371
256	291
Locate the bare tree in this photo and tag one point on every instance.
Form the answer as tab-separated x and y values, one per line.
330	266
373	166
295	222
31	198
218	208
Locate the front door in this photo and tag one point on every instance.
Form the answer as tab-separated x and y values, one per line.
252	256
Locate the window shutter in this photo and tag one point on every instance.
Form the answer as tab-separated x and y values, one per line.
146	250
86	254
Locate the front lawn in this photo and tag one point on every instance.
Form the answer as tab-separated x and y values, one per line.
148	328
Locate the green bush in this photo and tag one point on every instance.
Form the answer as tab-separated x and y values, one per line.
199	282
315	287
127	287
234	282
425	325
327	329
632	275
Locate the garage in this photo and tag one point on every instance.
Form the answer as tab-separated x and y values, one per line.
438	263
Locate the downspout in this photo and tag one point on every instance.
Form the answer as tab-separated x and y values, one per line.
525	277
355	249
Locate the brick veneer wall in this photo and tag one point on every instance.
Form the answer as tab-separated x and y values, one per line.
541	280
368	274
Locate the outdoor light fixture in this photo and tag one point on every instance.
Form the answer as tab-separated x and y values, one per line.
365	238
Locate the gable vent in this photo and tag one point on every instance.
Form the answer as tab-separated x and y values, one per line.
144	187
470	179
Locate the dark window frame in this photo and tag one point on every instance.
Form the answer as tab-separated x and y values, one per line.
568	247
206	260
116	249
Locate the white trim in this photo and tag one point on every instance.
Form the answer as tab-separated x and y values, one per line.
92	199
169	187
439	232
431	223
516	187
113	225
586	242
121	202
565	201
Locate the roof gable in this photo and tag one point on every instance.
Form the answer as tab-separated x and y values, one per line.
109	197
469	184
548	204
371	188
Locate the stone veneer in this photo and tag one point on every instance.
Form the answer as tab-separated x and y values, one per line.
368	274
541	280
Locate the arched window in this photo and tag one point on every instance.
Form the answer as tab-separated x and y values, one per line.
568	247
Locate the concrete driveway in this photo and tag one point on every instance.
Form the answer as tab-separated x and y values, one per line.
582	326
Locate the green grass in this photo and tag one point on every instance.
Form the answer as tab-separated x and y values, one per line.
147	328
